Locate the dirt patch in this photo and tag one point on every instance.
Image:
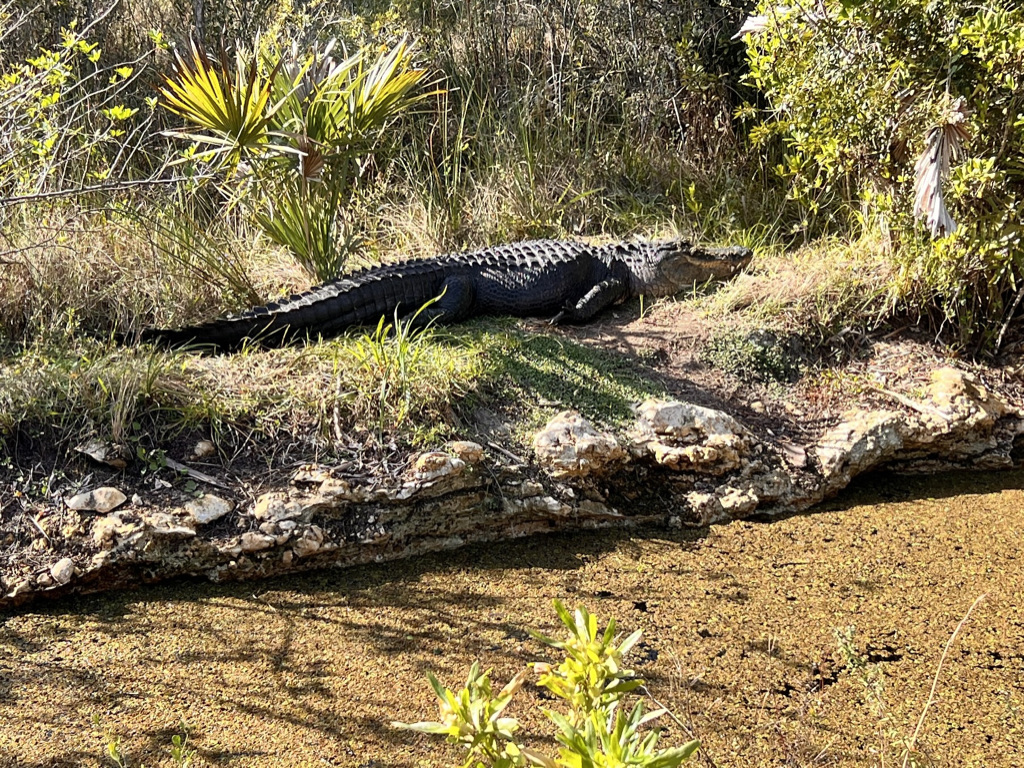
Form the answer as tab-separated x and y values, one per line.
738	623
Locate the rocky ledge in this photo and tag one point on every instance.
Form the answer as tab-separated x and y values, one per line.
680	465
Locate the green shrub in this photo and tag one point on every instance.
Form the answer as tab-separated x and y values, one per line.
911	109
64	121
755	355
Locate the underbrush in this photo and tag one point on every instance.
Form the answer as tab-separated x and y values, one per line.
71	271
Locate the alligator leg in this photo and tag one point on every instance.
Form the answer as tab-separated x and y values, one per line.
601	296
455	303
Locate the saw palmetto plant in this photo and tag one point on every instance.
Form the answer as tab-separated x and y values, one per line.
290	134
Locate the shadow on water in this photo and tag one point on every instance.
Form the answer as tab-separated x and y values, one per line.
393	610
885	487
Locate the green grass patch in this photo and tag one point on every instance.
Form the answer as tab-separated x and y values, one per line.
320	393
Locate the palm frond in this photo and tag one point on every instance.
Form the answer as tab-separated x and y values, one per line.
944	145
231	101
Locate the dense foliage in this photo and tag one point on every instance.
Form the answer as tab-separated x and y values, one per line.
916	107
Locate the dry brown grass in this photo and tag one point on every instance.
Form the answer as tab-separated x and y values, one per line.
67	270
825	288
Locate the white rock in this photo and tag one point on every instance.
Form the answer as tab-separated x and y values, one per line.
336	489
254	542
436	464
570	446
204	449
862	440
687	437
63	570
467	450
106	529
167	526
680	419
274	507
961	397
111	454
97	500
311	540
737	502
707	506
208	508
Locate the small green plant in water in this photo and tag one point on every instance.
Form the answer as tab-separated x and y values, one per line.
595	733
181	753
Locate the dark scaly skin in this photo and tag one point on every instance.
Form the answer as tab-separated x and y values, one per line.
567	281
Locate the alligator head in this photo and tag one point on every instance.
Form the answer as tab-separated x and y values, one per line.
673	265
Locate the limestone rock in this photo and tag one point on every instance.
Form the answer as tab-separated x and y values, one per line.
102	500
468	451
859	442
335	488
203	449
252	541
706	507
63	571
569	446
111	454
275	507
166	525
208	508
962	398
687	437
437	464
106	530
309	542
678	419
737	502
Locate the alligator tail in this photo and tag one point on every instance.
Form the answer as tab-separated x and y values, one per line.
326	310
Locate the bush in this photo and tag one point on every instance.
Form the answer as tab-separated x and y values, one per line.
290	133
935	132
913	108
64	120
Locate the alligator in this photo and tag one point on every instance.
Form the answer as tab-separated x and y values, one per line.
569	282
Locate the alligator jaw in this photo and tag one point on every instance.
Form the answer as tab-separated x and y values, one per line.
723	262
682	265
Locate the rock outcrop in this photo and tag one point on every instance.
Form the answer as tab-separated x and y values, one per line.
681	464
